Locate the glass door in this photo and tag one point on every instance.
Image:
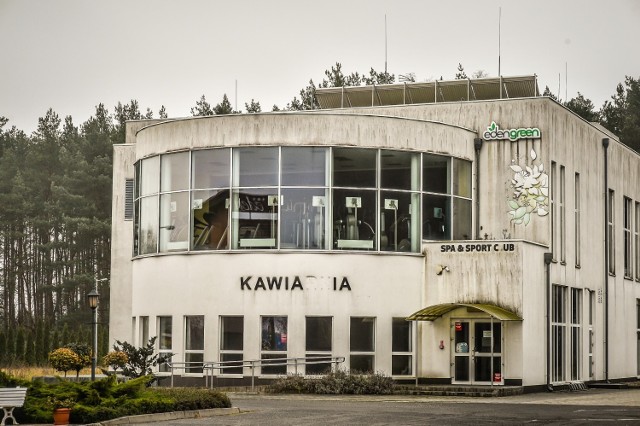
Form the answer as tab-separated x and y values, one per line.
477	352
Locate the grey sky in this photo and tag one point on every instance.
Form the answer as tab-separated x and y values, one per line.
71	55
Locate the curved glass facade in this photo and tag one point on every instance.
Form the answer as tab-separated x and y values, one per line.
299	198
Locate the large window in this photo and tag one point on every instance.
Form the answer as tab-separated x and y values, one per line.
401	347
304	215
274	344
611	230
210	199
563	215
318	344
558	333
636	237
362	344
628	241
576	218
231	344
143	332
576	333
553	202
193	343
592	313
165	339
299	198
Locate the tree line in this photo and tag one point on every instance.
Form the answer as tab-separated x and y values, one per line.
55	206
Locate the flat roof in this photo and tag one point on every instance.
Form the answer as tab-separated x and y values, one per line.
428	92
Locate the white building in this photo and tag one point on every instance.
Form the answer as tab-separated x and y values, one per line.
502	225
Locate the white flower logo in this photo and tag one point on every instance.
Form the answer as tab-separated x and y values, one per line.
530	192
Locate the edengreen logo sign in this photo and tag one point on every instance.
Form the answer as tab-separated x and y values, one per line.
494	133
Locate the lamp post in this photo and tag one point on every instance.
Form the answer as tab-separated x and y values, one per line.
92	299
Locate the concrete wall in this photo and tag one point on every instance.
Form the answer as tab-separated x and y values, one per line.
121	282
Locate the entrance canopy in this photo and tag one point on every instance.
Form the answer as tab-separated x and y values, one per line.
433	312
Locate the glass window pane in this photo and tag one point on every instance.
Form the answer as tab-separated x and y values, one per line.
194	333
255	218
165	333
361	364
148	225
232	329
233	363
317	364
399	170
211	168
354	167
279	364
304	166
354	219
362	334
436	223
174	221
175	171
435	173
303	218
210	219
274	333
401	335
150	180
255	167
398	232
462	178
319	334
461	219
194	363
401	365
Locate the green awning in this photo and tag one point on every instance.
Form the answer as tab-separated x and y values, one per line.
432	313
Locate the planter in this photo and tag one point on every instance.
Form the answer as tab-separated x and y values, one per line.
61	416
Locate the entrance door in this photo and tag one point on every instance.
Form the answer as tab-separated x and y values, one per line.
474	361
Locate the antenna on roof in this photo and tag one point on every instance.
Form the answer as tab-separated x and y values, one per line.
566	81
499	19
385	43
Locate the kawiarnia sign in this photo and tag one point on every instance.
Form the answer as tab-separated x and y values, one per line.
494	133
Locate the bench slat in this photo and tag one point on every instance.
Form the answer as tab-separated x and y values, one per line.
12	397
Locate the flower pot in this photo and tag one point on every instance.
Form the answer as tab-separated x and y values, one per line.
61	416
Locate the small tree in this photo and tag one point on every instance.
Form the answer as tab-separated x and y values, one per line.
64	359
115	360
84	355
140	361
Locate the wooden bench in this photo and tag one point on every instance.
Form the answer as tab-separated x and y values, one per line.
11	398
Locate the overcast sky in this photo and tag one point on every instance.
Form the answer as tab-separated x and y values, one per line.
70	55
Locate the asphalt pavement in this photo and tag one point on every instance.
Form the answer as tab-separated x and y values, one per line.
593	406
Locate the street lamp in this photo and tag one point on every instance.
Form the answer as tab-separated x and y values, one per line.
92	299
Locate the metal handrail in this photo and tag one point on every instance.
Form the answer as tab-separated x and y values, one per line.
209	367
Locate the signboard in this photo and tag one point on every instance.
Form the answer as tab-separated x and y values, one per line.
458	326
497	377
495	133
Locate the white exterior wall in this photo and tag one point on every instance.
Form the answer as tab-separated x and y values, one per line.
121	280
210	285
514	280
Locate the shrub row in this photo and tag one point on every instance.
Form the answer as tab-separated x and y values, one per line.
108	399
334	383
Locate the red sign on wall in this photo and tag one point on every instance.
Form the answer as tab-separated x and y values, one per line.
458	326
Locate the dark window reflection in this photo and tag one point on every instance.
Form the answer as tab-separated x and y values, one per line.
354	167
436	219
435	173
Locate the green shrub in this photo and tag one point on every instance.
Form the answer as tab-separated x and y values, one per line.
335	383
107	399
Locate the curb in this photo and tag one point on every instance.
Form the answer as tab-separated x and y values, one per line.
172	415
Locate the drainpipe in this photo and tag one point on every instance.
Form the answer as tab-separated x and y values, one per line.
547	261
605	145
477	144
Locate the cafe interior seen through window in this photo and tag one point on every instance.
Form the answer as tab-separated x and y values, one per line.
300	198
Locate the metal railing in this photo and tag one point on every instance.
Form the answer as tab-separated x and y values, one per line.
208	368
